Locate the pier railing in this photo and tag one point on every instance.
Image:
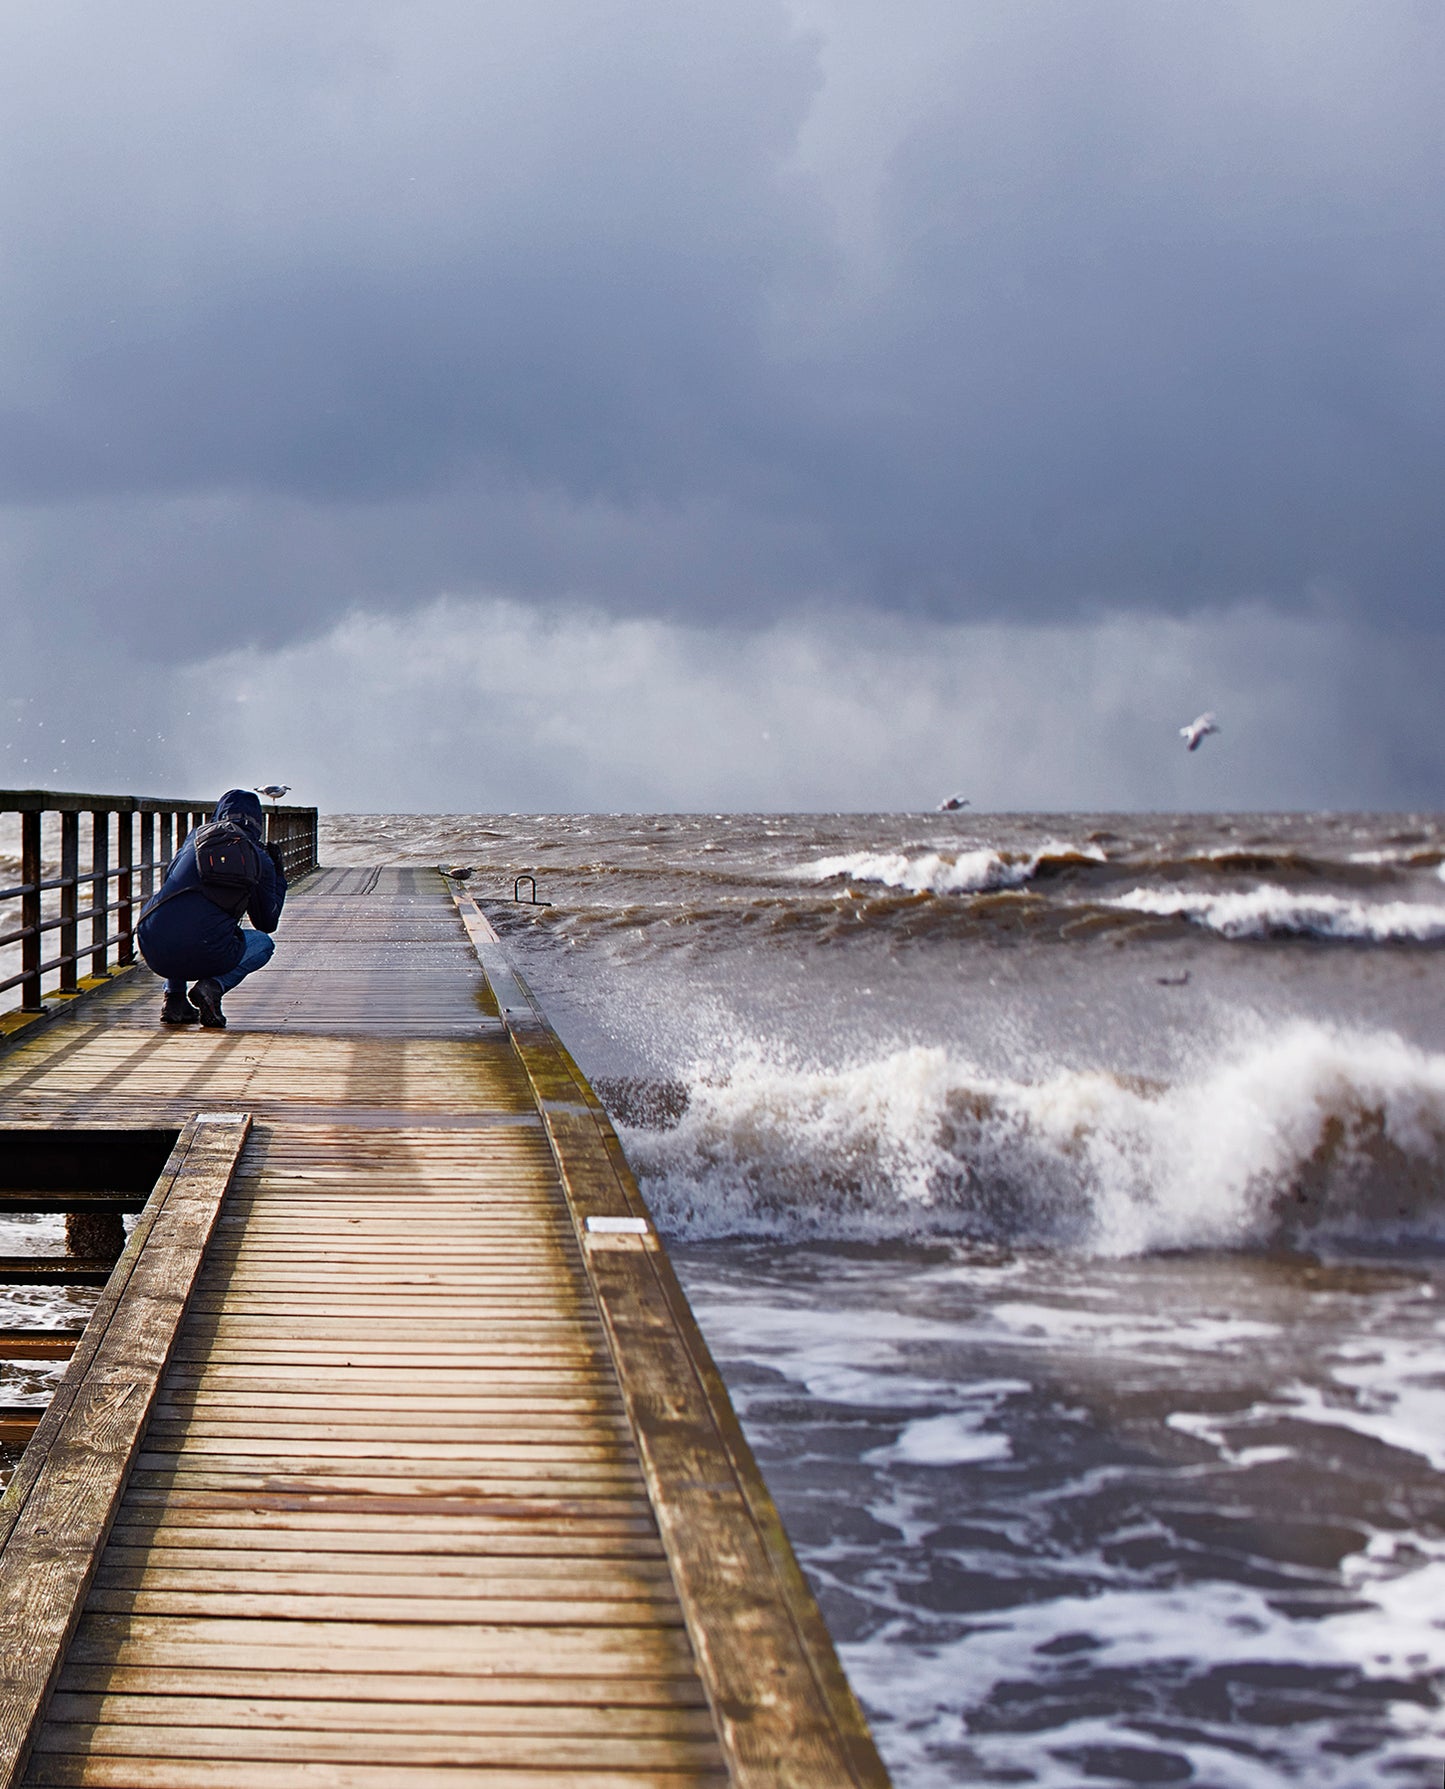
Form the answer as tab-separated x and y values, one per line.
87	865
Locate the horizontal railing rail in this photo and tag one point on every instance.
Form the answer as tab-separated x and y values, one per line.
127	842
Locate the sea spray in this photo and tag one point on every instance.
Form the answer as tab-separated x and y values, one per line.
1269	911
965	870
1310	1131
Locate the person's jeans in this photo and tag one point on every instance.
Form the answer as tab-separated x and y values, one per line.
259	950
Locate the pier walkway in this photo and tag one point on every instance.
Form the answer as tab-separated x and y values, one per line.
392	1456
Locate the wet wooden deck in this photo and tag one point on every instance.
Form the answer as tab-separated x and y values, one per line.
392	1456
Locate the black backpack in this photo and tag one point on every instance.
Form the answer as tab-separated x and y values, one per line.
228	860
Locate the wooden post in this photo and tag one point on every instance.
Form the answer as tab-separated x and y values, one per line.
69	901
30	913
147	857
99	892
125	860
94	1235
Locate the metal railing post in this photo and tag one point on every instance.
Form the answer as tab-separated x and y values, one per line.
147	857
125	859
69	901
30	913
99	891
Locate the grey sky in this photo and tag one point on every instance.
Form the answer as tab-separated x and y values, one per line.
1005	314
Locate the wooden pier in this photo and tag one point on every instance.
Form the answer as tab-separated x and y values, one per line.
392	1455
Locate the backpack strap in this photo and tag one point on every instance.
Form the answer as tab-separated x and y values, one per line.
159	899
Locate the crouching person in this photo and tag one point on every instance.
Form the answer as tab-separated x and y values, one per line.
191	930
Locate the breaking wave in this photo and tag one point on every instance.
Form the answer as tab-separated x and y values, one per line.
980	870
1311	1135
1268	911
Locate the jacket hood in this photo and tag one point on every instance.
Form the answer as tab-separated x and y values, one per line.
244	809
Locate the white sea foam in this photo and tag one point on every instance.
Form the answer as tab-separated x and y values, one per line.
958	1437
954	1439
1391	1394
1129	1331
1261	912
1310	1129
1416	856
975	870
1392	1634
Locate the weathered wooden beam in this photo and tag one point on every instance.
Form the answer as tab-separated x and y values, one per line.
39	1344
57	1512
18	1199
60	1270
66	801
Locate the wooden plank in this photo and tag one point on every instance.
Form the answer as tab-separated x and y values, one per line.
103	1772
560	1754
60	1505
353	1404
16	1199
108	1772
420	1694
366	1351
456	1254
318	1480
428	1460
40	1270
467	1649
304	1453
443	1612
308	1532
464	1438
218	1568
277	1379
581	1420
454	1318
511	1714
514	1503
49	1343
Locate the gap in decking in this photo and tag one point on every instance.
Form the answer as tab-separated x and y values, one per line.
93	1178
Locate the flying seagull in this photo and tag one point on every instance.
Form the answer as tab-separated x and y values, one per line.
272	791
1197	729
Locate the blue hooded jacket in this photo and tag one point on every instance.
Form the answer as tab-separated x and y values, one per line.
191	938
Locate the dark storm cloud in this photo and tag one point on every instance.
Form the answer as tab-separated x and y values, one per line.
1176	268
987	309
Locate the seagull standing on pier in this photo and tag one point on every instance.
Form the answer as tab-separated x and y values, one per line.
272	791
1197	729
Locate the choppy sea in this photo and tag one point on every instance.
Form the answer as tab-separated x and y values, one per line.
1063	1198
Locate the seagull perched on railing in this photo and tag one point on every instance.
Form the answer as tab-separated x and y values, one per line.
1197	729
272	791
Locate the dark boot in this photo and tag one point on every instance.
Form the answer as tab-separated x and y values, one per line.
207	996
176	1009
